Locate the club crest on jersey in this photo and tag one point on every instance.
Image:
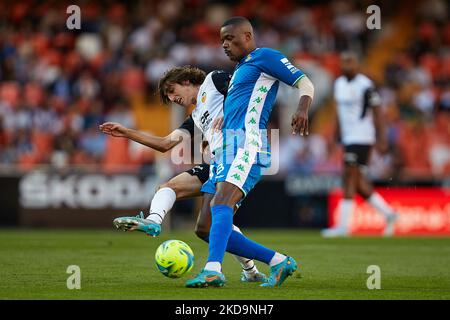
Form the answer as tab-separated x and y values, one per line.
203	97
248	58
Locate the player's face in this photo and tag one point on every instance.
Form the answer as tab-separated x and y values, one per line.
234	42
184	94
349	66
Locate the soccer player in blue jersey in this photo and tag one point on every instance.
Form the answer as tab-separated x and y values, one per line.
245	155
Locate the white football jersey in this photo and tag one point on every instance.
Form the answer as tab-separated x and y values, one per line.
210	106
354	100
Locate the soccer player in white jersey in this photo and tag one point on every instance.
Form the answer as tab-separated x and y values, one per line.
361	126
184	86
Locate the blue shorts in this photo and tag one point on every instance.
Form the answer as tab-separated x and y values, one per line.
243	171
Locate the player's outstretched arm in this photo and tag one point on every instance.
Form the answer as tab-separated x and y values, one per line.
300	118
161	144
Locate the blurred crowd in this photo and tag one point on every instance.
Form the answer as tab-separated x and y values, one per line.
57	85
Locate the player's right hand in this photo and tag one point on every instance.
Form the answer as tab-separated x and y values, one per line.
113	129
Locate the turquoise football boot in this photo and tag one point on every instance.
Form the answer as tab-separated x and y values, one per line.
279	272
257	277
138	223
207	278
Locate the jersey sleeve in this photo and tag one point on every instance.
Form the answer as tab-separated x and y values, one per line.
221	79
371	99
275	64
188	125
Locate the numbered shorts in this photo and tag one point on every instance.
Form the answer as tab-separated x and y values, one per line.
242	171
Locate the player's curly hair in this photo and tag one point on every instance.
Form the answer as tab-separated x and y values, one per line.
192	74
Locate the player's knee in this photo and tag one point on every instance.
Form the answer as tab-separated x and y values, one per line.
351	170
364	192
161	186
201	231
349	190
349	193
219	199
171	185
224	198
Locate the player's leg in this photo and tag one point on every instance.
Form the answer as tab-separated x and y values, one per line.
228	194
203	223
229	191
230	179
346	205
184	185
250	272
220	232
366	190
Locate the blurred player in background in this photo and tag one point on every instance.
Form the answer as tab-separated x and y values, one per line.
185	86
361	126
238	166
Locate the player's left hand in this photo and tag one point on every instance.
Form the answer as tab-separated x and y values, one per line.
300	122
217	124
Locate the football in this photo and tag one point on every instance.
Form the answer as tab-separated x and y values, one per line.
174	258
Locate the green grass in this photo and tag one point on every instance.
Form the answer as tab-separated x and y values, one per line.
117	265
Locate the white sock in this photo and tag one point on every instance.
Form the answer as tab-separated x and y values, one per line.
377	201
276	259
213	266
248	265
162	202
346	207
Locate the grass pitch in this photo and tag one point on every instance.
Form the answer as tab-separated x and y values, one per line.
118	265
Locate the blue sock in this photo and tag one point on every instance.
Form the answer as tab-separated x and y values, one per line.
240	245
221	227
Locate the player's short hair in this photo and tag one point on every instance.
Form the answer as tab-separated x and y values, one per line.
235	21
349	54
192	74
